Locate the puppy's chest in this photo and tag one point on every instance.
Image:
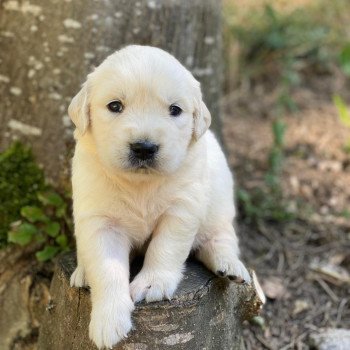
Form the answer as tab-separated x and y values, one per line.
140	213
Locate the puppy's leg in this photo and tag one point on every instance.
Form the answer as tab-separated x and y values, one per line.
165	256
78	278
220	253
105	255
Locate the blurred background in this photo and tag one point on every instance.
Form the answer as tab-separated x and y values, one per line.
287	131
282	115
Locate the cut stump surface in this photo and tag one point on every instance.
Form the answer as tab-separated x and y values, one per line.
205	313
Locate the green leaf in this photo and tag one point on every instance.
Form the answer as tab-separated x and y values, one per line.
62	240
23	234
246	200
275	160
61	211
279	129
51	198
40	237
345	213
271	14
343	112
291	78
33	214
243	195
276	40
344	59
52	228
47	253
287	102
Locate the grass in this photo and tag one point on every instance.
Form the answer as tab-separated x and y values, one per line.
277	45
273	41
281	43
268	203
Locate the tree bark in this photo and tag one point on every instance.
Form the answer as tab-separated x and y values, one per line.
24	294
47	47
205	313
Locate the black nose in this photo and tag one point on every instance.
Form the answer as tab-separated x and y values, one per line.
144	149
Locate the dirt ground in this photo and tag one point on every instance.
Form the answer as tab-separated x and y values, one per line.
303	265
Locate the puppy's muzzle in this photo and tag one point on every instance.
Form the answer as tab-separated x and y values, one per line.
144	150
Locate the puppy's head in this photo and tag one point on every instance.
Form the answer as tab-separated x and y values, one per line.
142	109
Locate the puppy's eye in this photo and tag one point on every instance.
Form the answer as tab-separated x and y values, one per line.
175	110
115	106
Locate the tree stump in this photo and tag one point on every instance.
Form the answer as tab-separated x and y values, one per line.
57	43
24	294
205	313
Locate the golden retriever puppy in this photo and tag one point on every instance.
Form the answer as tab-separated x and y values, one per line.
146	169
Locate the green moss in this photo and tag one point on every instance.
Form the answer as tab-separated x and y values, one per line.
20	180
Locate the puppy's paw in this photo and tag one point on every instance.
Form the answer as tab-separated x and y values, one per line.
110	322
231	267
154	285
78	278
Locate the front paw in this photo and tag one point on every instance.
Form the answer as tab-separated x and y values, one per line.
110	321
233	268
154	285
78	278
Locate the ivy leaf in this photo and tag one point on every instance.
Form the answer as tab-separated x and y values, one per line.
52	228
33	214
23	234
62	240
40	237
47	253
51	198
61	211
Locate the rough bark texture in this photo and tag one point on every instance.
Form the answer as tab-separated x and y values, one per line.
48	46
206	313
24	294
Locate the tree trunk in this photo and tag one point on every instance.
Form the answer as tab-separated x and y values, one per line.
24	294
47	47
205	313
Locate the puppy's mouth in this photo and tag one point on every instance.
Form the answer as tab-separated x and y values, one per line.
144	166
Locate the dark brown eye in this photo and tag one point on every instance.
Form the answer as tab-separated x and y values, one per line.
175	110
115	106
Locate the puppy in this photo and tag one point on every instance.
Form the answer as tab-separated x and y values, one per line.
146	169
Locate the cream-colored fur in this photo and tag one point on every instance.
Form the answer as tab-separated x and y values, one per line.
181	204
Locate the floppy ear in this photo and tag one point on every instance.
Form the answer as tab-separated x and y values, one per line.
78	109
202	119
